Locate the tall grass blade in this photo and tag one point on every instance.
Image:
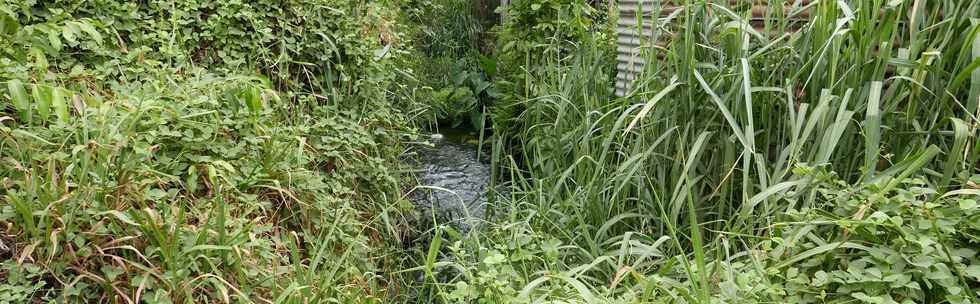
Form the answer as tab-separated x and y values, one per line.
954	158
872	130
974	96
724	111
651	103
909	167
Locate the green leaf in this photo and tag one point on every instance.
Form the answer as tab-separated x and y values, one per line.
69	32
479	84
819	250
207	248
54	40
968	204
8	25
974	192
111	272
91	31
974	97
779	188
123	217
872	127
59	101
526	291
19	96
973	271
476	119
433	253
651	103
488	65
820	278
253	99
460	78
913	166
955	158
724	111
495	258
583	291
42	97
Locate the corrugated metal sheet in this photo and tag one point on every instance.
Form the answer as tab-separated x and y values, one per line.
503	16
634	30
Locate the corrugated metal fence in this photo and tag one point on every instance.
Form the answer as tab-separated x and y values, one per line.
630	42
634	30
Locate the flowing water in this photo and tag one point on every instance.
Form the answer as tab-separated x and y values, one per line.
453	179
453	187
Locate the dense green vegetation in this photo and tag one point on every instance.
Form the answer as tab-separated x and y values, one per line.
452	73
826	156
252	151
188	152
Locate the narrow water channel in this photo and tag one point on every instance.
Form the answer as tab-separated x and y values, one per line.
453	179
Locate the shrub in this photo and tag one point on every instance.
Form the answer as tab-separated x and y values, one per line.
190	189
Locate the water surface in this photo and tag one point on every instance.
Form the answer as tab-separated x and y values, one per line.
453	181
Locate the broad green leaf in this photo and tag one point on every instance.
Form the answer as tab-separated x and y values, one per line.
40	60
495	258
973	271
19	96
43	99
91	31
479	84
8	25
476	119
59	101
70	32
967	204
123	217
55	40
